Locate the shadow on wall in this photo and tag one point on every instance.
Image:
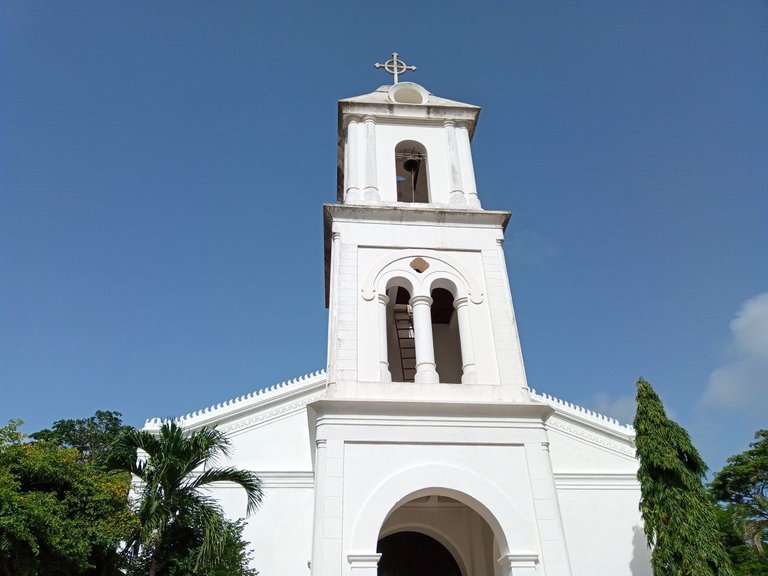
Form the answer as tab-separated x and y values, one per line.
640	565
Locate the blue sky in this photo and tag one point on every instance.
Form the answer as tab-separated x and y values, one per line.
163	166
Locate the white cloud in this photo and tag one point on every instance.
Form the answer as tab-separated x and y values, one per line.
742	383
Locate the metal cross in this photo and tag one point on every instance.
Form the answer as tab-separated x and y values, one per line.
395	66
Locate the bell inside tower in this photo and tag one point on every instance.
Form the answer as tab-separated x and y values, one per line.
411	172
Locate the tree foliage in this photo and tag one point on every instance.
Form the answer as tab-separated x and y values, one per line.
58	514
175	468
679	517
92	437
743	486
182	547
744	558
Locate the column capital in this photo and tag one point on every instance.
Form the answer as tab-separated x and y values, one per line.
363	561
321	442
416	300
449	122
519	564
369	119
384	299
335	235
352	119
459	302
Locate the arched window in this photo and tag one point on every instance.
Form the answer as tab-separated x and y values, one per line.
401	347
446	337
411	172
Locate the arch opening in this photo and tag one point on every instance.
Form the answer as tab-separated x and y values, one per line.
411	172
446	336
436	534
401	342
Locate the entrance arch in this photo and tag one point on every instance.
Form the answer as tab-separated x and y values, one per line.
494	514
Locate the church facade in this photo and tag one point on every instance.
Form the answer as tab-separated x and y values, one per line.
421	448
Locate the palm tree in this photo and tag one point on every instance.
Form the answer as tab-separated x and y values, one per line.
174	468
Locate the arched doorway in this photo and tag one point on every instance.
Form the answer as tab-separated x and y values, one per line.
433	530
414	554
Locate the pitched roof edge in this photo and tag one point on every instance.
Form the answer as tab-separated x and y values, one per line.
584	414
222	410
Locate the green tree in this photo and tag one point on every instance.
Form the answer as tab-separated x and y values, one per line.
744	558
680	519
92	437
174	468
743	486
182	547
58	514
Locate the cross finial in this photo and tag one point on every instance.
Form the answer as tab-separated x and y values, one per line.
395	66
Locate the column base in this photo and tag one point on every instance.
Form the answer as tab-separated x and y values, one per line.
457	198
469	376
371	194
353	196
426	375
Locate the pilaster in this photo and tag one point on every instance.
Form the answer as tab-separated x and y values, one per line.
352	164
456	194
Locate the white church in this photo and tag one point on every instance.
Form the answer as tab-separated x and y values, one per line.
421	450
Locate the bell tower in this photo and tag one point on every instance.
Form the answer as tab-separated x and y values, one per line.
416	280
427	424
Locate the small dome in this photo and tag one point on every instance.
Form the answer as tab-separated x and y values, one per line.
408	93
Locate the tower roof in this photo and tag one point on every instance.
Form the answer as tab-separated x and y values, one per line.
408	100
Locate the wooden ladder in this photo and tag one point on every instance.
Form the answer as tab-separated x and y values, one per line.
405	338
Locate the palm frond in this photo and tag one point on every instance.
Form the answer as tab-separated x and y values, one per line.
247	480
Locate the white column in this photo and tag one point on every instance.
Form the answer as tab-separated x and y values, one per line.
515	360
547	508
425	346
468	168
469	373
456	194
386	375
333	306
371	190
317	529
352	163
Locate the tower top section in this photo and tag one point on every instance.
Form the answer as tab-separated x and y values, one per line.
407	101
402	144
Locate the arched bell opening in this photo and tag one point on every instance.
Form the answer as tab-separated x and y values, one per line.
401	344
446	336
411	172
436	534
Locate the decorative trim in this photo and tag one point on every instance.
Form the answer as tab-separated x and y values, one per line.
519	560
589	425
467	285
269	479
583	413
626	448
276	480
364	560
598	481
272	414
247	401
